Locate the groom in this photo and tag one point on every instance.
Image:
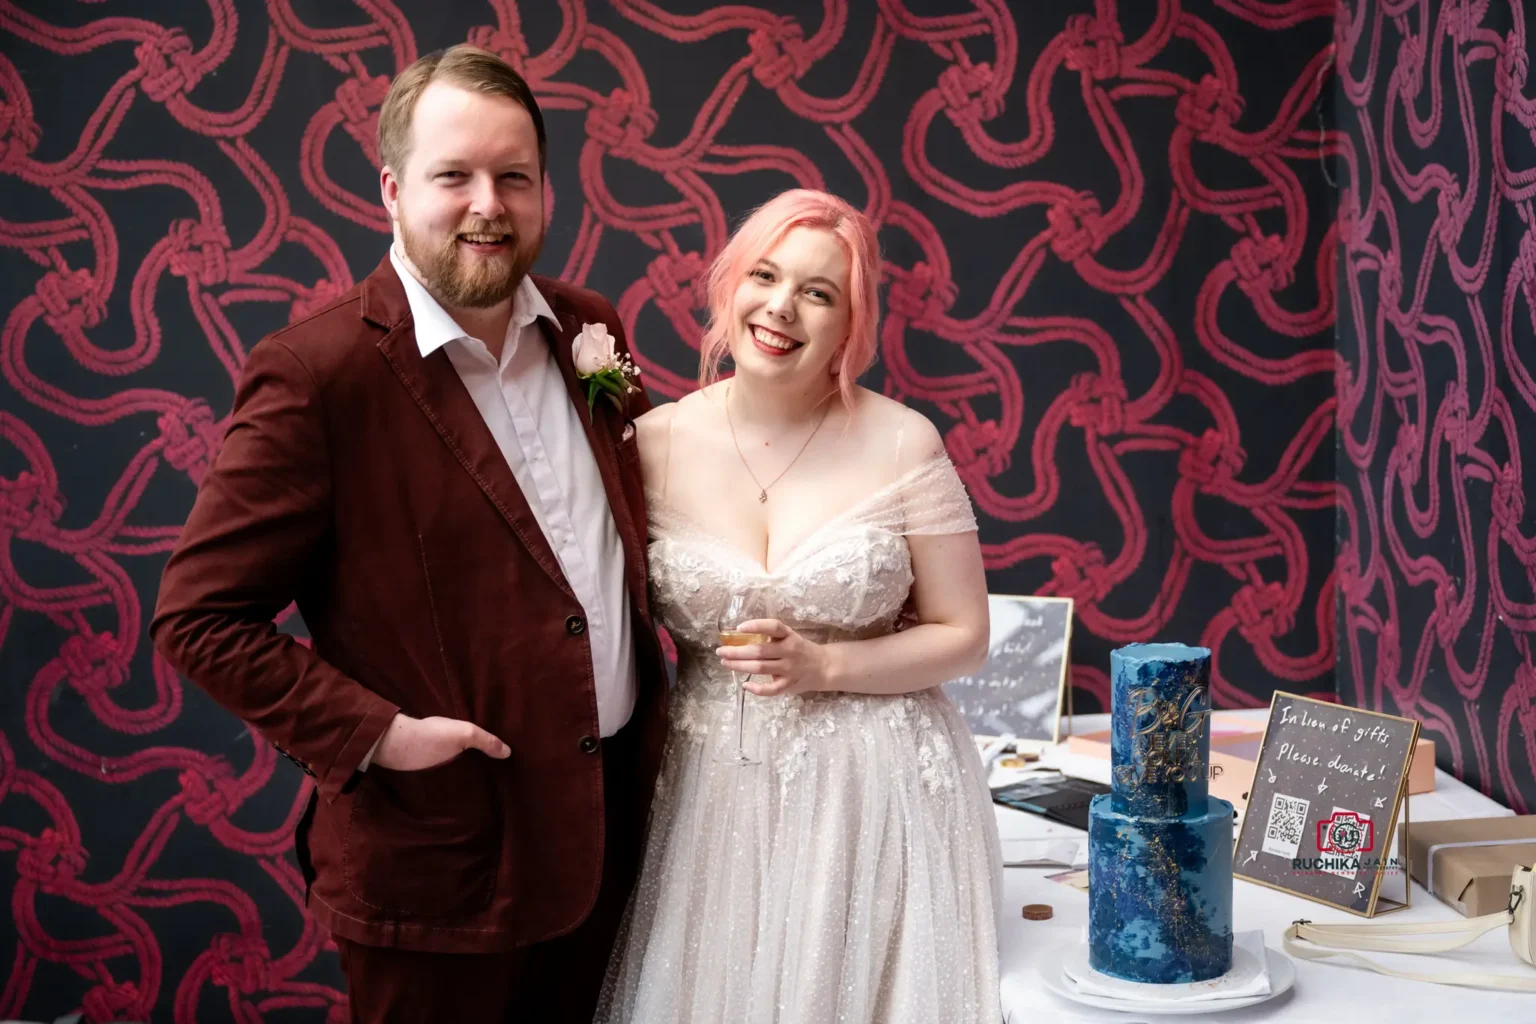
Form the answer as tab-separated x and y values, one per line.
482	708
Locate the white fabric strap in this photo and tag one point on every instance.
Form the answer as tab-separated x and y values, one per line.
1429	869
1338	938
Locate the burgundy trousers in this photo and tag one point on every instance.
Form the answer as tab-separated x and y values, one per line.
549	982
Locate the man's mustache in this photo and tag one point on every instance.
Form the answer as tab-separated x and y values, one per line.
487	228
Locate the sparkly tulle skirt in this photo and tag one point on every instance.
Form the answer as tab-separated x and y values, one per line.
852	876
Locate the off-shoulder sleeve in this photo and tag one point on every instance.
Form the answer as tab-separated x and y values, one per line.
933	500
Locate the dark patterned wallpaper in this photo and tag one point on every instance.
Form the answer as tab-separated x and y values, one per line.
1436	163
1110	276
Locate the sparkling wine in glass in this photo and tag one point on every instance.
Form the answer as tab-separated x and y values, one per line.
736	638
743	605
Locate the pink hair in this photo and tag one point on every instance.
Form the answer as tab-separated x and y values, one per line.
764	229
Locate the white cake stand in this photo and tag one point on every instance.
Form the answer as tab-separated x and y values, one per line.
1053	965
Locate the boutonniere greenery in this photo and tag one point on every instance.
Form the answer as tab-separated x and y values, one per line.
601	368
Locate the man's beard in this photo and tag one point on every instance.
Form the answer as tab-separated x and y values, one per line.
465	279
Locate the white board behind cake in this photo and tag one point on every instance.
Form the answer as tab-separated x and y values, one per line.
1020	690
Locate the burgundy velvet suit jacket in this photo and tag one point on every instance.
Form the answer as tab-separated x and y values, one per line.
359	480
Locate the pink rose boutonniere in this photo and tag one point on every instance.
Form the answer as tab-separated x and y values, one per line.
601	368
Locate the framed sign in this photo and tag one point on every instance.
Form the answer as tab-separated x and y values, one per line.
1019	690
1323	809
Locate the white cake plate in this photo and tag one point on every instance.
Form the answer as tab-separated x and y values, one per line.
1282	975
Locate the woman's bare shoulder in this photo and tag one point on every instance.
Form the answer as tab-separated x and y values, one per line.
885	417
664	427
878	408
653	435
654	421
662	419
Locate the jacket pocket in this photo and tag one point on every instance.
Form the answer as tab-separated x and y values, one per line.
425	843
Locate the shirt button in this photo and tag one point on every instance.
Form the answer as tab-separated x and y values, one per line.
574	625
588	744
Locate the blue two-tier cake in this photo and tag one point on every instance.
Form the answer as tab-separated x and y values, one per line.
1159	845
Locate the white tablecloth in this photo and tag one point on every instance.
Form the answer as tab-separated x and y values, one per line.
1323	992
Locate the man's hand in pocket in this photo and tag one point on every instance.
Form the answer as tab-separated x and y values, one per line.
411	744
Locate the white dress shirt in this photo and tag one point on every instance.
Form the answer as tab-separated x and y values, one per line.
538	428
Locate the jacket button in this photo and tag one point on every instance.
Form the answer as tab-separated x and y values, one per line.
574	625
588	744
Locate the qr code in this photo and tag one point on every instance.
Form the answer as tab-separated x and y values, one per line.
1287	824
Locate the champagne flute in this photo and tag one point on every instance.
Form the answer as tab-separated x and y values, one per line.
743	605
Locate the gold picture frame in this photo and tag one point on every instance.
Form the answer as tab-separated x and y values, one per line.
1392	789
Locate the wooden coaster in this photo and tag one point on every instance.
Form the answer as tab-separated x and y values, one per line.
1038	912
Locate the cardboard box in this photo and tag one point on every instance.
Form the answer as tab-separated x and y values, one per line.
1472	879
1421	770
1235	750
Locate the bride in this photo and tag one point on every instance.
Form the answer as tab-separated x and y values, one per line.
850	872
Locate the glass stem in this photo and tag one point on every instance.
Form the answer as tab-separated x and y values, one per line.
741	712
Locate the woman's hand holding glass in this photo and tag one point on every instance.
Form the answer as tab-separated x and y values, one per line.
791	663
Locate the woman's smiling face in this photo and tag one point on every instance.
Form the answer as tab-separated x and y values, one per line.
790	312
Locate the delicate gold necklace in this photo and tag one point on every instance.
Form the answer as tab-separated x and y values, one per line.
762	489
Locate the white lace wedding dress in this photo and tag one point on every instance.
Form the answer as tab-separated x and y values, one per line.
853	875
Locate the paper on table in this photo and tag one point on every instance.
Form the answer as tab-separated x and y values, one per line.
1249	977
1045	853
1077	879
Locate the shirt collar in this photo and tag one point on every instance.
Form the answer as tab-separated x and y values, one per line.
436	328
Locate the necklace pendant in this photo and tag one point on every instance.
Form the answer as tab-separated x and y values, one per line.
762	496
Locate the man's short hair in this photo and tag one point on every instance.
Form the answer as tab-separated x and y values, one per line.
468	67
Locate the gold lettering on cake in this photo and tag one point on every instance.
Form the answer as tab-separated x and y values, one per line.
1165	738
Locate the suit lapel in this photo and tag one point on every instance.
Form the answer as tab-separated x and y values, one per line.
435	386
601	429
